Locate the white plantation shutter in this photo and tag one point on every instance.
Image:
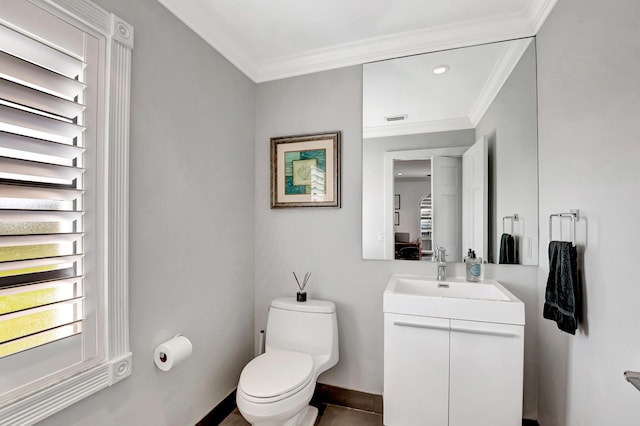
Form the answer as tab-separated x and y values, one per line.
42	93
64	143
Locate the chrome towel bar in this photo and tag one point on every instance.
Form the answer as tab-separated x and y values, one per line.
574	215
513	219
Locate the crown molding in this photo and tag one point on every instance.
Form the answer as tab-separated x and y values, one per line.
539	11
499	75
431	126
205	22
397	45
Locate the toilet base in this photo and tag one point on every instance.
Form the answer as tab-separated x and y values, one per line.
309	417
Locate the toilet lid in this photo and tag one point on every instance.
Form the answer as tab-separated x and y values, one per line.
275	373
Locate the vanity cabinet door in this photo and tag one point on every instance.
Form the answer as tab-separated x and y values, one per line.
416	370
486	374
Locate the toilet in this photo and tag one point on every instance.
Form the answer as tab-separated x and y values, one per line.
276	387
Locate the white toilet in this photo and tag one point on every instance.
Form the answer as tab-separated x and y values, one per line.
301	342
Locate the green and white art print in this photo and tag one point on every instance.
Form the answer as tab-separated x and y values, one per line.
305	171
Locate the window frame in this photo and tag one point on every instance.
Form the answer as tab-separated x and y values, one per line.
35	403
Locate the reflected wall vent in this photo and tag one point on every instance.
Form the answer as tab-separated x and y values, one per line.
391	118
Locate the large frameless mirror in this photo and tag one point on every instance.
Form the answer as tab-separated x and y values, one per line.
450	155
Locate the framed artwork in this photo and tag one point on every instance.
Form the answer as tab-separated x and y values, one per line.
396	218
305	170
396	201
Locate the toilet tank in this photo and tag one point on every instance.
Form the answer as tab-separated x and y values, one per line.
309	327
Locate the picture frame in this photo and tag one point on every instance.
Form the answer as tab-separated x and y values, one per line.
396	202
396	218
305	170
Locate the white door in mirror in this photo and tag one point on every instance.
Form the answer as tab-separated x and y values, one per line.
447	205
475	190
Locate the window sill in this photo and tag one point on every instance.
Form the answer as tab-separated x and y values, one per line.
50	400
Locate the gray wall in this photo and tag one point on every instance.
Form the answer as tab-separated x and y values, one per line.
327	242
589	99
191	247
511	125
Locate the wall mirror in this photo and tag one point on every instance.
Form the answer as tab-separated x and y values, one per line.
450	155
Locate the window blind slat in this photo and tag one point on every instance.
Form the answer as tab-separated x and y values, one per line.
25	280
16	69
39	339
33	98
35	239
36	320
74	283
36	169
43	261
39	146
26	123
41	25
16	299
38	193
39	215
30	50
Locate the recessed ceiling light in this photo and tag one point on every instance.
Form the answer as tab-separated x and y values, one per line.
441	69
399	173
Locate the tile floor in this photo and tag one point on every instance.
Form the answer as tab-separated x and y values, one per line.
330	415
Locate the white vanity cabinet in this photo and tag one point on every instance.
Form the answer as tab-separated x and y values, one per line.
443	371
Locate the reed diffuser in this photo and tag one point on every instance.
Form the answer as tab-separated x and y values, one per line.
301	296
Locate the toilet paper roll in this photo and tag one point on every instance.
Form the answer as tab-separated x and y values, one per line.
172	352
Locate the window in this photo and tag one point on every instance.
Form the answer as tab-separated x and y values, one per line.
64	91
42	186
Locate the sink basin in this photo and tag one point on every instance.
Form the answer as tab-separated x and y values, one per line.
425	287
453	298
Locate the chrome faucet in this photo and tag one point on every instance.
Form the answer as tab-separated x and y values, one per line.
440	254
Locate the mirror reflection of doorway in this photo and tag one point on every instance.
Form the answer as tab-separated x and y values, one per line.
412	181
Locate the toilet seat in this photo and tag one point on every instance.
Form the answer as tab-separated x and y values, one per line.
275	375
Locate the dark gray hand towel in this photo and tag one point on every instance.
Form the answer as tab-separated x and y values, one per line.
507	249
561	295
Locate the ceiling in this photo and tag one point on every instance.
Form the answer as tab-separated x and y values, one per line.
270	40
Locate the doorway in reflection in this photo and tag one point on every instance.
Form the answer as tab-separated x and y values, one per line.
413	233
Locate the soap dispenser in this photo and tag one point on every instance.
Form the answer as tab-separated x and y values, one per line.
473	266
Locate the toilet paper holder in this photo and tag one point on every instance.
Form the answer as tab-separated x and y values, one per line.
172	352
162	355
